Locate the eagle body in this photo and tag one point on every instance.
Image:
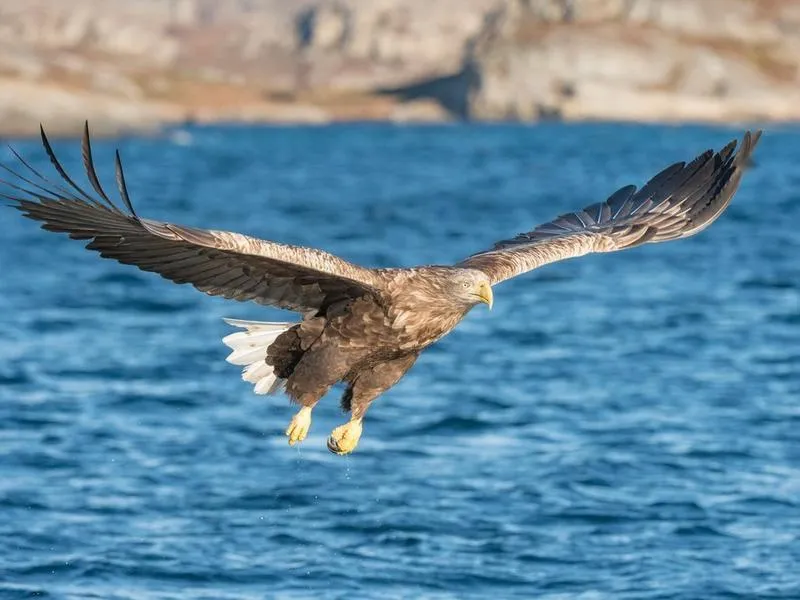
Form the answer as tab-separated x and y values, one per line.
354	340
361	326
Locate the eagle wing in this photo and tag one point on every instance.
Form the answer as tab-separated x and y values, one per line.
219	263
680	201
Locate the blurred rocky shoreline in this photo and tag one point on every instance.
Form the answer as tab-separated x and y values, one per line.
141	65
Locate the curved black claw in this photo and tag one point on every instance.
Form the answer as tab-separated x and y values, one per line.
333	446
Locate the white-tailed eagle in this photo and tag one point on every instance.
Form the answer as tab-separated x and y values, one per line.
362	326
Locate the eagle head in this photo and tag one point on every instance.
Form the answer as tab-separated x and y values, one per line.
472	287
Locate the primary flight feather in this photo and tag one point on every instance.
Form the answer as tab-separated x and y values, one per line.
365	327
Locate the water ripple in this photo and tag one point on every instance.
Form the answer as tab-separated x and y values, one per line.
620	426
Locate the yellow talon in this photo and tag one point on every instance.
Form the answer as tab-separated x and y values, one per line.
344	439
298	428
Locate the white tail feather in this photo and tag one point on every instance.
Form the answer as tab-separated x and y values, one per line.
256	372
250	350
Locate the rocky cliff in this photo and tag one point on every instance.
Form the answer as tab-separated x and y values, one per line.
140	64
674	60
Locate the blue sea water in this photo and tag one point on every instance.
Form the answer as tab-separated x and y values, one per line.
619	426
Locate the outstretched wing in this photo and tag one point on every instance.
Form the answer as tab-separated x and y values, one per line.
219	263
680	201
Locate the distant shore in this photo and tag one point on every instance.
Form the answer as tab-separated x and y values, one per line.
141	66
111	118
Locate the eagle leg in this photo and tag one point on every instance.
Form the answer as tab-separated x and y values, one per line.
366	385
299	426
311	378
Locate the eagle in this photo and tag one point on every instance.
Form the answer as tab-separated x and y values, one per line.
361	326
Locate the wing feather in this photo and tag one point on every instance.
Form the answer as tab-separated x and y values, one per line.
221	263
681	200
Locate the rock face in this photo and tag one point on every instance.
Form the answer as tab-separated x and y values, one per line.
674	60
138	64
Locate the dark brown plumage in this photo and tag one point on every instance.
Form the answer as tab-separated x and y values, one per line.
363	326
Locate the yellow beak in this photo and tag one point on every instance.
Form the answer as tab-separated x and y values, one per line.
485	294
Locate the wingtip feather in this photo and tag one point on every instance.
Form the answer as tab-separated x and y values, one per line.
123	188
